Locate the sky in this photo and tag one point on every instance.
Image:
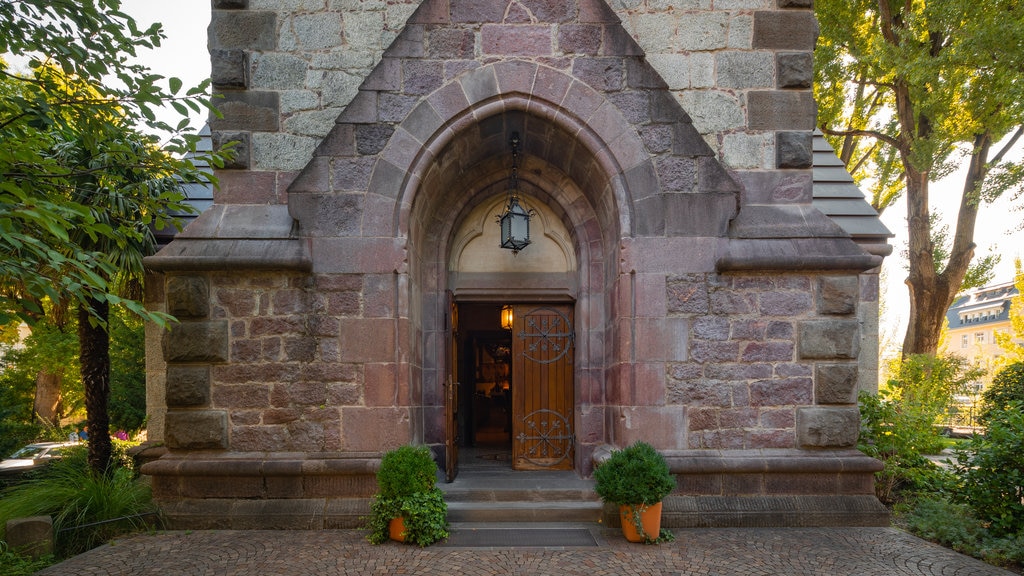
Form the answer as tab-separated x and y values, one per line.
184	55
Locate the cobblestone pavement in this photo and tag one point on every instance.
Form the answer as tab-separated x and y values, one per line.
720	551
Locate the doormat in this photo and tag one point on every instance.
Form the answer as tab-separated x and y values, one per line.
519	538
498	456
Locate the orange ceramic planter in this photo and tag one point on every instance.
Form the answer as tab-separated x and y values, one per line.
650	520
396	529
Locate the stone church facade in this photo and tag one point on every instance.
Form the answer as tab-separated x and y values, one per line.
341	296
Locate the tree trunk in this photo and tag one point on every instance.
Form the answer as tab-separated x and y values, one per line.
47	403
931	292
95	363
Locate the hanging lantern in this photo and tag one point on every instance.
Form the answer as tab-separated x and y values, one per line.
515	219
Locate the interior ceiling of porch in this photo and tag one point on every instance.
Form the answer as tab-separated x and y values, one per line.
476	163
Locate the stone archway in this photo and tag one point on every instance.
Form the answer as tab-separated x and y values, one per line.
568	165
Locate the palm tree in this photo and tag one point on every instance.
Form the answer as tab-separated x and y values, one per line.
129	187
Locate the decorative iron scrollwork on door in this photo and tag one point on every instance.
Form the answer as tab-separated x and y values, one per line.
548	438
547	333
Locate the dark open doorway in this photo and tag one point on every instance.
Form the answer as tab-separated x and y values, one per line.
485	395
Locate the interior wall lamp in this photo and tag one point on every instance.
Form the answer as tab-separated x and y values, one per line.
515	218
506	317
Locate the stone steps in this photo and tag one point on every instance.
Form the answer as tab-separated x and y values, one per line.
521	497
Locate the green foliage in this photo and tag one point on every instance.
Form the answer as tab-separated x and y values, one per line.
73	123
980	272
406	488
923	387
1011	342
14	564
425	515
894	436
1006	388
405	471
70	493
127	373
954	525
636	474
898	426
991	467
910	91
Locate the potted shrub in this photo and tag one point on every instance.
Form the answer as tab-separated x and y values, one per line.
636	479
408	506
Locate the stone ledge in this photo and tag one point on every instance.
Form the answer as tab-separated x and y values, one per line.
764	511
770	461
271	514
241	464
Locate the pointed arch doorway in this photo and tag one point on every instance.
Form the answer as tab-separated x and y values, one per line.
514	406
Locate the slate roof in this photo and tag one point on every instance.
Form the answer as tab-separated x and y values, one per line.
982	306
839	198
200	196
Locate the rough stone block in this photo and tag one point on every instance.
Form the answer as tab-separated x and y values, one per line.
188	297
827	427
32	536
241	146
510	40
745	69
795	70
835	383
228	68
793	150
829	339
781	110
278	71
785	30
196	430
197	342
248	110
838	294
188	386
244	29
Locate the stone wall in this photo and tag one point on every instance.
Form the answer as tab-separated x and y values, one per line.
286	69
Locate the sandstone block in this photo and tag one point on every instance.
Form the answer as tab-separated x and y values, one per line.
197	342
188	386
781	110
795	70
835	383
838	294
829	339
196	430
827	427
250	30
247	110
228	68
785	30
793	150
188	296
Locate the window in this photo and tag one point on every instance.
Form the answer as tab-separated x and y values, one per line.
979	337
964	341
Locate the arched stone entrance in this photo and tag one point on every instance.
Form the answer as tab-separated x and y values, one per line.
569	170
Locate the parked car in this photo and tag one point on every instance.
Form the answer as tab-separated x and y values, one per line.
33	456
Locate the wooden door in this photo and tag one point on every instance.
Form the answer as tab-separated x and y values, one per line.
542	387
451	392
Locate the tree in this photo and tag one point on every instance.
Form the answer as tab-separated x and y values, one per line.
1013	342
81	186
907	91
